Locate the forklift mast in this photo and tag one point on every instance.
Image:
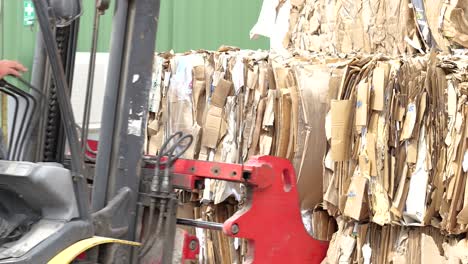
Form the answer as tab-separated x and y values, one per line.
49	136
124	115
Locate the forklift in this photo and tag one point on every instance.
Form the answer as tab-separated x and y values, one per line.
62	205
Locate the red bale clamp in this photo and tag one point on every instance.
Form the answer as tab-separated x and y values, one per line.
271	219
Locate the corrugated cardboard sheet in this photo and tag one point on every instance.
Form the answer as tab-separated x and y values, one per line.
371	243
373	140
239	104
376	26
397	142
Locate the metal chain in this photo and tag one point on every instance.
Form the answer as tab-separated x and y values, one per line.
53	114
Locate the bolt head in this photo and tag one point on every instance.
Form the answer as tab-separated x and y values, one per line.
235	229
193	244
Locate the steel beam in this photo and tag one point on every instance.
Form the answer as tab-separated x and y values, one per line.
125	111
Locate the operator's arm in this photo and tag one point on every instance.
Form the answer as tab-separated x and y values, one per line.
8	67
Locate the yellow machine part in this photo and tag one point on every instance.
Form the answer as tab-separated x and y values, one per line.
73	251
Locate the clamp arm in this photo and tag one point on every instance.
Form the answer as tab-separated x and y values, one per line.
271	220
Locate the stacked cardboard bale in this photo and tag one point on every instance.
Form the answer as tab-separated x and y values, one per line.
397	152
382	141
376	26
396	129
238	104
397	142
372	243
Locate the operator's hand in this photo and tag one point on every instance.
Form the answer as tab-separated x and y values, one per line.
8	67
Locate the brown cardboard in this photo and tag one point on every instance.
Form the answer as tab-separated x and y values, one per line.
459	175
153	127
362	105
263	80
194	149
364	165
378	83
186	210
181	116
221	91
462	217
313	82
410	121
253	148
212	127
373	122
209	72
430	251
401	193
412	151
284	122
252	77
341	114
293	150
246	121
422	108
269	117
356	206
387	154
215	126
371	154
433	19
455	22
386	173
198	93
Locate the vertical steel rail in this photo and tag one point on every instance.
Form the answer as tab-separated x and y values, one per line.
90	84
64	103
125	110
103	159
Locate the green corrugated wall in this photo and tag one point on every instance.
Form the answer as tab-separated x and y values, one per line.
208	24
188	24
16	40
184	25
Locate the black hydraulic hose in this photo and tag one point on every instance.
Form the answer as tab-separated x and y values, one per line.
164	186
